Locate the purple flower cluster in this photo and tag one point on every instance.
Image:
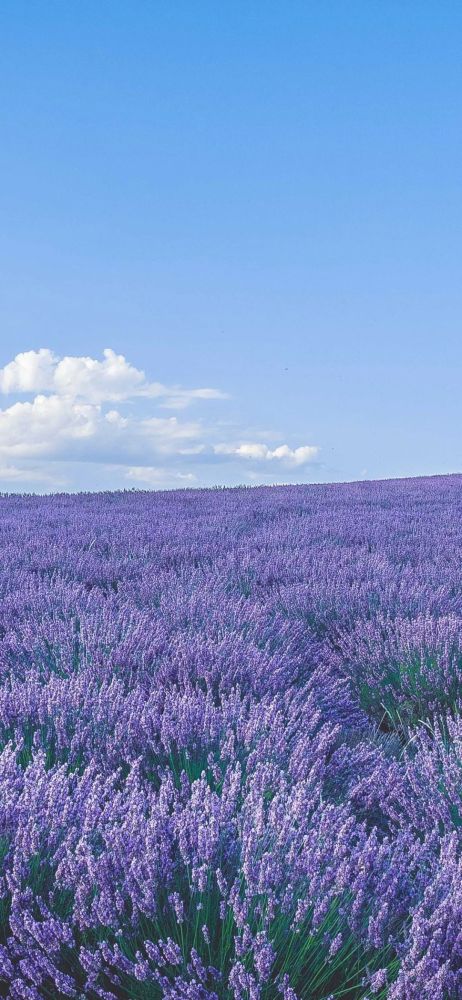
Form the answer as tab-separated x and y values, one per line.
231	744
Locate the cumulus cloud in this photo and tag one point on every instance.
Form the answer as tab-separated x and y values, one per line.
30	371
262	453
113	379
59	427
43	425
86	412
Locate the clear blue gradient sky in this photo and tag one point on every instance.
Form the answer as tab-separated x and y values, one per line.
258	198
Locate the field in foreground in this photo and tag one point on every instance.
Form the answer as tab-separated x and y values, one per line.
231	744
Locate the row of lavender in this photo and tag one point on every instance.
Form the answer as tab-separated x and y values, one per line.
230	744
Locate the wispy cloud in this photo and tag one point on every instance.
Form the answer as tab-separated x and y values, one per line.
151	476
12	474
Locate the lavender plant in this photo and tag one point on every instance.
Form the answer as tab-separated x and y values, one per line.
231	744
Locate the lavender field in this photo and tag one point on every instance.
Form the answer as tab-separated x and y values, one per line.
231	743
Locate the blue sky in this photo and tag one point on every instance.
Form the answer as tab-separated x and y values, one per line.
258	199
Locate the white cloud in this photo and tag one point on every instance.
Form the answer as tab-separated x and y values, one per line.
153	476
42	426
165	432
86	414
59	427
178	399
113	379
11	474
31	371
259	452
